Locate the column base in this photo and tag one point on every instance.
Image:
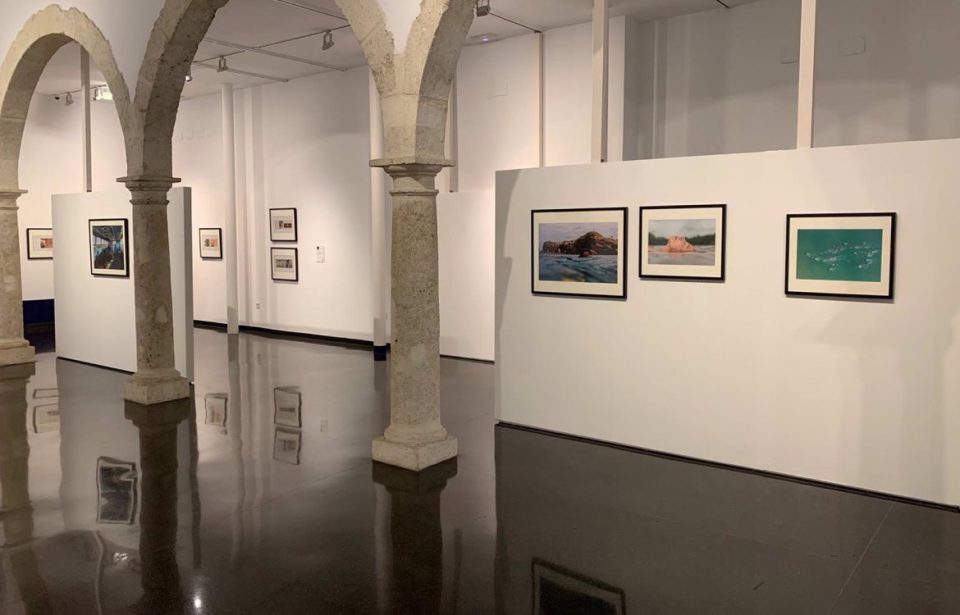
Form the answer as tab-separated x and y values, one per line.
414	457
149	388
16	353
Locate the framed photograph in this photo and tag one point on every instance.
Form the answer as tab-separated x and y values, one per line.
283	224
579	252
683	242
46	418
556	590
286	445
283	265
215	409
116	490
109	256
39	244
287	405
211	244
841	255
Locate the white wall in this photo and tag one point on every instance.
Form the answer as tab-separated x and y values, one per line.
850	392
96	319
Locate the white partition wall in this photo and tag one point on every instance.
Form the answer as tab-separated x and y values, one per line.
95	315
859	393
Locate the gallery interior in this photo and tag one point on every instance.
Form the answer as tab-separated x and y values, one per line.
479	306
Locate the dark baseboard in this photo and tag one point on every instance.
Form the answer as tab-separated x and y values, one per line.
209	324
469	359
735	468
38	312
87	363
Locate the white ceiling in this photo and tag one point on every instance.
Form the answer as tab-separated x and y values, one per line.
260	22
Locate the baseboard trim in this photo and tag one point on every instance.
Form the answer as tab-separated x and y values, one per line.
736	468
469	359
88	364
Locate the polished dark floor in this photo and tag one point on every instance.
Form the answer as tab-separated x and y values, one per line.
211	506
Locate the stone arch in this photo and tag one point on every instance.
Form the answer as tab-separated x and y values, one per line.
40	38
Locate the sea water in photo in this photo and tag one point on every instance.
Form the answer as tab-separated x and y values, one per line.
686	242
703	256
569	268
849	255
579	252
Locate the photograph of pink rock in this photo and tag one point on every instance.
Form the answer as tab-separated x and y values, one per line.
682	241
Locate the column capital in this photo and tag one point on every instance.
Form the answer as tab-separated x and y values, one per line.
415	165
9	196
148	183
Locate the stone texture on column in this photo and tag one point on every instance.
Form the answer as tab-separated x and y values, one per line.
415	438
15	509
157	379
14	349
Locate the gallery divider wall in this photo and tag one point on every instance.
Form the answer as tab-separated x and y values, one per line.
853	392
95	314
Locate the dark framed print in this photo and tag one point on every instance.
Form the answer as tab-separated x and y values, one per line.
283	225
109	253
283	265
557	590
286	445
579	252
211	244
39	244
116	491
841	255
287	406
683	242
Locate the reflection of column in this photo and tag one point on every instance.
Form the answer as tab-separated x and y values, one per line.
415	438
158	513
157	379
417	535
13	348
14	455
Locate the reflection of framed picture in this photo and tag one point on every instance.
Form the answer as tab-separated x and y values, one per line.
286	445
211	244
46	393
46	418
108	248
39	244
283	224
683	242
556	590
117	491
579	252
215	409
287	404
841	255
284	265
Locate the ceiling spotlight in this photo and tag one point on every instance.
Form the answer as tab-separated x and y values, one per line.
102	92
483	8
68	99
327	40
222	65
189	76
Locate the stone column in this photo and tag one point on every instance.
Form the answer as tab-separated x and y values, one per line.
157	379
14	350
415	438
15	509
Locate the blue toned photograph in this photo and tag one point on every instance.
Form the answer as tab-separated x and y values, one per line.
579	252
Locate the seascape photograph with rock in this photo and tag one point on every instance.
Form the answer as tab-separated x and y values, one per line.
683	241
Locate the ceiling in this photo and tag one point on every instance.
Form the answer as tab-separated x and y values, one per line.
253	23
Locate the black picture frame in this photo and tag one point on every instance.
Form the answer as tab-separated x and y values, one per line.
891	276
30	254
283	436
622	251
295	225
125	273
296	265
694	278
555	584
297	421
219	232
116	491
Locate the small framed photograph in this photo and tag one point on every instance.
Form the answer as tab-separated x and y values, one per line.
841	255
46	393
556	589
283	225
215	409
283	265
286	445
683	242
579	252
46	418
211	244
109	254
39	244
116	490
287	404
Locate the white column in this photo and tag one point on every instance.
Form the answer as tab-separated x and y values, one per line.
230	207
87	143
452	144
541	71
378	237
601	24
808	46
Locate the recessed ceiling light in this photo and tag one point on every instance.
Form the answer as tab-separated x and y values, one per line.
484	38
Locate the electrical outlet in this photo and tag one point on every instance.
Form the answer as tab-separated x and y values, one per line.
258	306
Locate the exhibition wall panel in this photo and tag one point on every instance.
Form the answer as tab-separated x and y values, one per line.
858	393
95	315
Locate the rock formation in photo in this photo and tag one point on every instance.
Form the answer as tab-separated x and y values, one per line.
589	244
